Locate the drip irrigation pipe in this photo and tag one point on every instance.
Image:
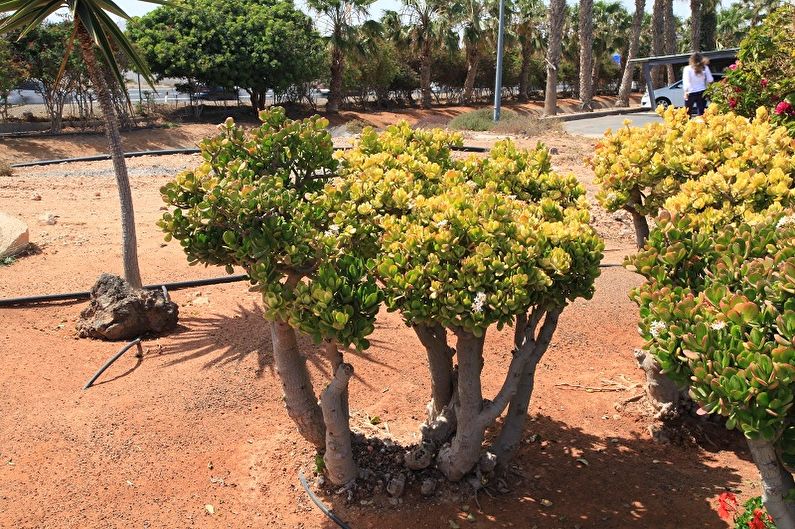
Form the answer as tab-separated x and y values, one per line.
10	302
320	505
113	358
168	152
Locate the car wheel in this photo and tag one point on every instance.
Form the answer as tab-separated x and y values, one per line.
664	101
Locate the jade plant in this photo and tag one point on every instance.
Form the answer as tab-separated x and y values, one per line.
716	169
255	202
718	313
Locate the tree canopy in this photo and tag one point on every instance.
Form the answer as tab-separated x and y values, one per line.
257	45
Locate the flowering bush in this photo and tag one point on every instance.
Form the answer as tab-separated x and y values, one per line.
718	312
764	75
752	516
713	171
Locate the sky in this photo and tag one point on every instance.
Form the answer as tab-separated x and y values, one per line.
135	7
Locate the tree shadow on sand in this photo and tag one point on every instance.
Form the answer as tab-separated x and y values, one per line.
564	477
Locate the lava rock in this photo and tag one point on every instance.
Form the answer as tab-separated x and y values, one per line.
420	457
396	486
428	487
120	312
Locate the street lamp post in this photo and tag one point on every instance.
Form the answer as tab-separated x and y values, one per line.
498	80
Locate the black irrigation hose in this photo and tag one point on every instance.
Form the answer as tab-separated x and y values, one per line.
319	503
168	152
112	359
10	302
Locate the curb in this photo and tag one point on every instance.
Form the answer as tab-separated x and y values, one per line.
597	113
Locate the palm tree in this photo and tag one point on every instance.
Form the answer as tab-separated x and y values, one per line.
474	37
340	16
529	19
634	45
658	37
586	54
428	28
96	33
557	16
732	26
695	25
669	36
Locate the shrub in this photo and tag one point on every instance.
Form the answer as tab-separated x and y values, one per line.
764	75
480	120
716	170
5	168
511	122
718	313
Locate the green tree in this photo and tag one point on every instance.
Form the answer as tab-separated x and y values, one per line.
340	16
429	28
97	36
634	45
257	45
12	72
556	18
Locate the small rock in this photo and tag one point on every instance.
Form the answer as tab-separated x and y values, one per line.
544	445
428	487
471	518
14	236
35	197
393	502
209	508
453	525
210	465
97	194
396	486
420	457
553	150
546	503
48	219
201	300
488	462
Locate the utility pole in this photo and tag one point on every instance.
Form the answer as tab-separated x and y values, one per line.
140	100
498	80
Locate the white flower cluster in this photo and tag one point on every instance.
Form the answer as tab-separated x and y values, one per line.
785	222
332	231
718	325
656	328
477	303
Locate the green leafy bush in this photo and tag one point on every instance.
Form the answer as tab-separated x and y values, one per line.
764	75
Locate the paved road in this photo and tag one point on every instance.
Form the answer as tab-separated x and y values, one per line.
595	127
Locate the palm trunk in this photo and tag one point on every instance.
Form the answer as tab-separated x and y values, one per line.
634	45
658	41
557	9
695	25
524	74
670	38
425	74
586	54
132	273
335	92
473	61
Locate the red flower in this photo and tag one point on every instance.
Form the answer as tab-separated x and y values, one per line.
783	108
764	83
727	505
737	89
733	66
732	102
758	522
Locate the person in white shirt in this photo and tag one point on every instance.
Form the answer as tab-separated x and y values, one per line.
696	77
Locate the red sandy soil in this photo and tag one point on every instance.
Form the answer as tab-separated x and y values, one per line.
199	419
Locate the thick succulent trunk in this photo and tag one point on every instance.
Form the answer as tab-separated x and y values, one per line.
425	75
299	397
340	466
557	10
658	40
634	45
638	220
473	61
586	54
663	393
670	38
695	24
335	90
516	418
440	365
132	274
777	482
463	453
